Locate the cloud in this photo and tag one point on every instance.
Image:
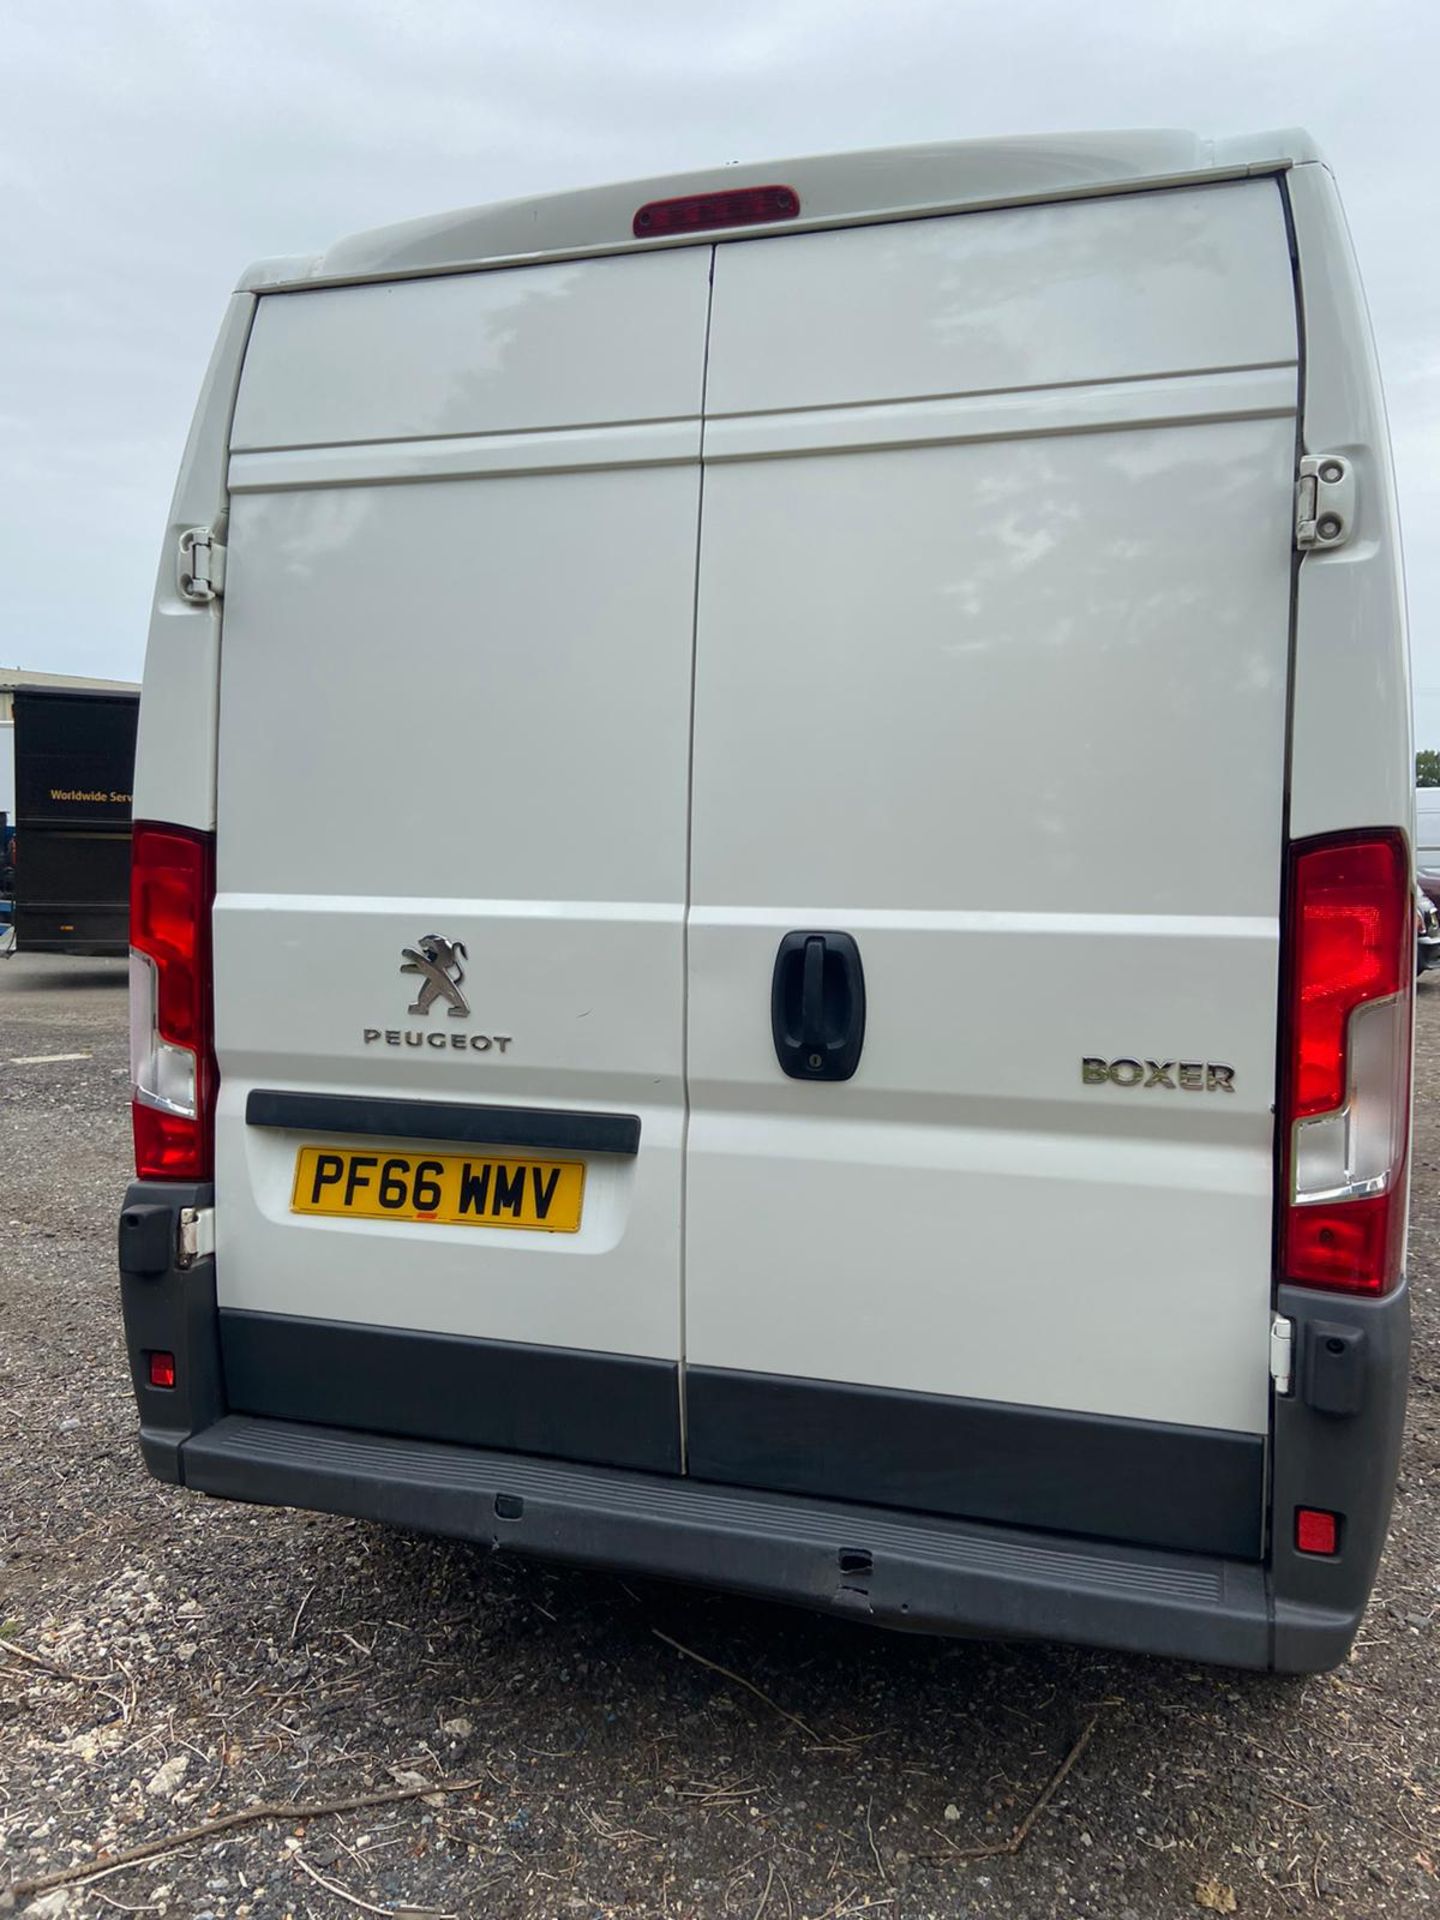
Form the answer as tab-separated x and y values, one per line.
149	149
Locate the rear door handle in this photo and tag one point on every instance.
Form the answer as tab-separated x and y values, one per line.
817	1005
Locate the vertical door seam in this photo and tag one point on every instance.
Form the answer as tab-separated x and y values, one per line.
689	869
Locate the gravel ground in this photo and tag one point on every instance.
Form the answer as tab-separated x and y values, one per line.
168	1660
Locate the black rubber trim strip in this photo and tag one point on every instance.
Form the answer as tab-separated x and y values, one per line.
899	1570
445	1120
1193	1488
561	1401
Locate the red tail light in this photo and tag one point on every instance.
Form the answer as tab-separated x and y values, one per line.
1346	1078
172	1060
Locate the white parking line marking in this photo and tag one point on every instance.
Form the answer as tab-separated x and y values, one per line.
45	1059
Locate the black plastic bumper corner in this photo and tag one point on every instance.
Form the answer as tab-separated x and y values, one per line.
168	1309
1336	1446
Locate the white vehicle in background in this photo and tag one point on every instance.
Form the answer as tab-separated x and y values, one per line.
600	1087
1427	829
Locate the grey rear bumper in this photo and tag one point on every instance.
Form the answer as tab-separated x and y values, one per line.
1334	1444
893	1570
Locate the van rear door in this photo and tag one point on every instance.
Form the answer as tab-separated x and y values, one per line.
454	734
993	628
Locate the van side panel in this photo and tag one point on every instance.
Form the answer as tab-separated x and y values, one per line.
991	675
1352	658
179	714
1351	766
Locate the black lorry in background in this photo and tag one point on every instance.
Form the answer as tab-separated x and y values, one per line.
74	784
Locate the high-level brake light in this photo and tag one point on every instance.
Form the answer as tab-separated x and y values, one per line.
732	207
1346	1078
172	1061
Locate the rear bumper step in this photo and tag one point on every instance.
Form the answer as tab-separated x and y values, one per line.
542	1477
908	1570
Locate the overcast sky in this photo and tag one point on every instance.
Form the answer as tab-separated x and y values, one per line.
149	149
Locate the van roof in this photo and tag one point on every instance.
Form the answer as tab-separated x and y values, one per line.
833	189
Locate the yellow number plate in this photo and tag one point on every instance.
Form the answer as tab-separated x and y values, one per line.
454	1189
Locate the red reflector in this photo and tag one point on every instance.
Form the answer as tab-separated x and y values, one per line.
162	1369
1317	1531
695	212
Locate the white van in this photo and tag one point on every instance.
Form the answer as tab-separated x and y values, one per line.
684	1019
